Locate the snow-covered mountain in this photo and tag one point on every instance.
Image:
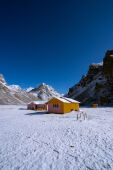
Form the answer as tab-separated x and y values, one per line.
2	80
97	85
13	94
44	92
15	88
29	89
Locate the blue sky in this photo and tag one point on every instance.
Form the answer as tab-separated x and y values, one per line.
53	41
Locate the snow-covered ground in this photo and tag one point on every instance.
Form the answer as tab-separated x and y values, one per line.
31	140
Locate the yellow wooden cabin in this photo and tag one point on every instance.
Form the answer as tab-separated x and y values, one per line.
62	105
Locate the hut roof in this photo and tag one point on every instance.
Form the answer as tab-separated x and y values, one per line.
66	100
38	102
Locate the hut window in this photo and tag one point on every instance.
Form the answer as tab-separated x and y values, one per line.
55	105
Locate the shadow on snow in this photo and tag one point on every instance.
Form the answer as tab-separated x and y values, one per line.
36	113
23	109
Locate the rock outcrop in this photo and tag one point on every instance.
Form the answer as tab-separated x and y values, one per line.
108	65
97	85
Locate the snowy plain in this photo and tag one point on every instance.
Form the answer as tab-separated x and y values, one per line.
31	140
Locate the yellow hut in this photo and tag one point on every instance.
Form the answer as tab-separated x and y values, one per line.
62	105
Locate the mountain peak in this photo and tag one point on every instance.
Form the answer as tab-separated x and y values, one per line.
44	92
43	84
15	88
2	80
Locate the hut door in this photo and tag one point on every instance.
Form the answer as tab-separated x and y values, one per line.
57	108
36	107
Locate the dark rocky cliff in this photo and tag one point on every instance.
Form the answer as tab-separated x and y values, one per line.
97	85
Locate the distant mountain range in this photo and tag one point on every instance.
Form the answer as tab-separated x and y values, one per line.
97	85
13	94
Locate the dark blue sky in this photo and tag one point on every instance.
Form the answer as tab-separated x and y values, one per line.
53	41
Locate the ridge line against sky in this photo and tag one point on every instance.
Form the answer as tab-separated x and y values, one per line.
53	41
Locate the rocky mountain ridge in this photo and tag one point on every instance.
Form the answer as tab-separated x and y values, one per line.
97	85
13	94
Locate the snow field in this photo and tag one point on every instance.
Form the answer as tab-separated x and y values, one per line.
35	140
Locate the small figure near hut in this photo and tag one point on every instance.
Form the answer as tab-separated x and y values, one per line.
37	105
